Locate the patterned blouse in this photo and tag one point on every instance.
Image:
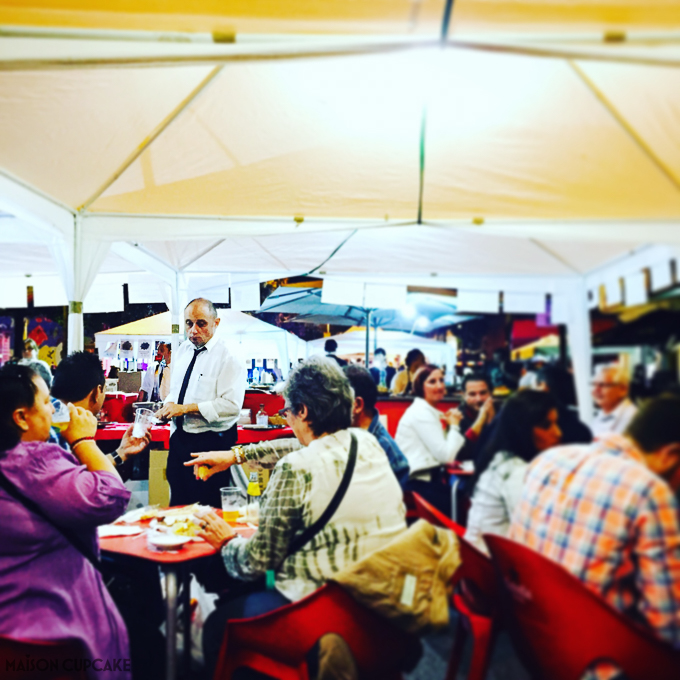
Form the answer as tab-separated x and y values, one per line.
302	485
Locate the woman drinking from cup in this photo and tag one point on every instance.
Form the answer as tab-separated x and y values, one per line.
51	502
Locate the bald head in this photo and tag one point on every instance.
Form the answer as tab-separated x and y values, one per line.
200	321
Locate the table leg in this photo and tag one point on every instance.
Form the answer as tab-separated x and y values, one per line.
186	621
454	488
170	575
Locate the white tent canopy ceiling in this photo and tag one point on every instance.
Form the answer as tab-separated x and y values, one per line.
534	150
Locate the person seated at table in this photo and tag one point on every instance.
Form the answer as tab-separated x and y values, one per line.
430	438
607	513
319	403
80	380
52	501
527	425
611	386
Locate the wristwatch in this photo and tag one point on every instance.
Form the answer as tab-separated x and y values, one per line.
117	460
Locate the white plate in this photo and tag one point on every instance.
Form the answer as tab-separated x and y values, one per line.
166	541
256	427
111	530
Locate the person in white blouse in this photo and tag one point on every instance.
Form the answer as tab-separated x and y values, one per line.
528	425
429	438
207	389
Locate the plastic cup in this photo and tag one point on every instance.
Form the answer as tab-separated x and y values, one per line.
233	499
61	416
144	419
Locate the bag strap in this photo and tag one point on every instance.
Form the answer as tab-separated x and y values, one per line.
75	540
311	531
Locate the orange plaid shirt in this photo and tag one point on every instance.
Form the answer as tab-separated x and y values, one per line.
603	515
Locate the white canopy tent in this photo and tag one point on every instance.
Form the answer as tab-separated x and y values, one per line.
535	154
246	336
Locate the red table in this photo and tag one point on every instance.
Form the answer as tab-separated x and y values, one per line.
175	572
161	433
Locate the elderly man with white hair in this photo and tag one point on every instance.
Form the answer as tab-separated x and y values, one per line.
610	394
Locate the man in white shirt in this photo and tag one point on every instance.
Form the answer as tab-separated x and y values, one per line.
610	394
156	380
206	395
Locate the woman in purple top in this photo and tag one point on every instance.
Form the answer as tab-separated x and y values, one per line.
48	589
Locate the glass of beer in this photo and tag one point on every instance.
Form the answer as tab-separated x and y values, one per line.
61	416
233	499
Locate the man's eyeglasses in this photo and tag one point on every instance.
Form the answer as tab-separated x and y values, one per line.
285	411
604	384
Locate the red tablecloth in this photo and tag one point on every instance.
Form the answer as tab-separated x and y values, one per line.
161	433
135	546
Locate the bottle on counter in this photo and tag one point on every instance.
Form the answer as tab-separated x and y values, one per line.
253	507
262	418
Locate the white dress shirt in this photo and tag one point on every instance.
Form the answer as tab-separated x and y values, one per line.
615	422
157	377
217	385
421	436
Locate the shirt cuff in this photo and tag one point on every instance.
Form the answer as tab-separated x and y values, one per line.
208	411
471	435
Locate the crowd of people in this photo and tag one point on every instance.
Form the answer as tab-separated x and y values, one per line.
603	502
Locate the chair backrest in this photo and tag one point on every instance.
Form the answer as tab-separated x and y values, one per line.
29	659
560	627
475	573
287	634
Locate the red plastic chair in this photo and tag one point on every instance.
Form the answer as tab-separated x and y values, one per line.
277	643
49	660
474	599
560	627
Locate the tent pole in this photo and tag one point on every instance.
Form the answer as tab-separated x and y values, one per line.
580	344
368	329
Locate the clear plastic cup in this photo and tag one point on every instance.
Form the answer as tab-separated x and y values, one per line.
233	499
144	419
61	416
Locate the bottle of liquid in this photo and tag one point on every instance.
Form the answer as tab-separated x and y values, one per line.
262	418
253	507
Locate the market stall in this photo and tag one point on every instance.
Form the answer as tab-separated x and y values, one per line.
251	339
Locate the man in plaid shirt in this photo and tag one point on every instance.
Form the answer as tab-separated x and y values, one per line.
607	513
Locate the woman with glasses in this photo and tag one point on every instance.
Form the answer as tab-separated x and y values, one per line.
51	502
319	403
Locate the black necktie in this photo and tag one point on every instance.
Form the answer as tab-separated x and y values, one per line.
179	421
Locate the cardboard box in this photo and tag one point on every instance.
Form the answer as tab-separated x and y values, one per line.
159	489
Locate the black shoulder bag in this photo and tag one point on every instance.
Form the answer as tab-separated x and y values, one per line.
75	540
313	529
